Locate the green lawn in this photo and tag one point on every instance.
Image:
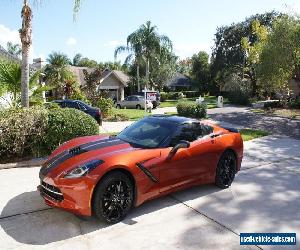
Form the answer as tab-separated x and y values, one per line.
132	114
249	134
211	102
288	113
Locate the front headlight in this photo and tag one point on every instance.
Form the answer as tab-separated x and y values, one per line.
82	170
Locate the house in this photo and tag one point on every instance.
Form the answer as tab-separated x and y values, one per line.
180	82
113	81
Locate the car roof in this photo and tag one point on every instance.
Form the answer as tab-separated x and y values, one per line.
172	118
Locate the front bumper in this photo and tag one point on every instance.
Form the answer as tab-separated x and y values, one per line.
71	195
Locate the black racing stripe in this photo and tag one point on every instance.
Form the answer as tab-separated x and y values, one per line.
55	158
83	148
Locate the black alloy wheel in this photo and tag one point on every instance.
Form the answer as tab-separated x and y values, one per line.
226	169
113	198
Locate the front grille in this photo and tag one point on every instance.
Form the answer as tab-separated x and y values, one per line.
51	191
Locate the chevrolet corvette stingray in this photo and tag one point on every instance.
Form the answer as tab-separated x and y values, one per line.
106	176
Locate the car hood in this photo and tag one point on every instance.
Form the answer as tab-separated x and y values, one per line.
81	150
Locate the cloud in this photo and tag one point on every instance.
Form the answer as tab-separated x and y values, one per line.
112	43
71	41
184	50
8	35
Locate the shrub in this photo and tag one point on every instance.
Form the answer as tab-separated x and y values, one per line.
21	132
105	105
237	90
66	124
194	110
37	131
294	104
175	95
191	94
164	96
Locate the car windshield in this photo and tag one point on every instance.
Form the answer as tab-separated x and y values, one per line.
147	133
84	104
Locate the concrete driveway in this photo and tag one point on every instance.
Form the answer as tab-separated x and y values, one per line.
265	197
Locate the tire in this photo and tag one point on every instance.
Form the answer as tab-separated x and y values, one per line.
138	106
118	106
226	169
113	198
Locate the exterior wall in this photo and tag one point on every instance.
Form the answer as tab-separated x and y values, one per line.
112	83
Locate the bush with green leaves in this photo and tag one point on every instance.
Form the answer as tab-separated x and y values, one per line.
36	132
170	96
294	104
21	132
66	124
194	110
191	94
238	90
105	105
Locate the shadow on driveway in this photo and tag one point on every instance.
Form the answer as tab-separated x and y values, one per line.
51	224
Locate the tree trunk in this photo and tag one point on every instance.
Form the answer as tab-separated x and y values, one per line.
25	77
25	35
138	76
147	71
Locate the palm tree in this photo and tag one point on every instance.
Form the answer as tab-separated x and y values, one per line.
76	59
152	44
57	72
10	79
14	49
26	40
134	48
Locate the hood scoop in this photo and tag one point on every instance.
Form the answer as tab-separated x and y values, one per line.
76	151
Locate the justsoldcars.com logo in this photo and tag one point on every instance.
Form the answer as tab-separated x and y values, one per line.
268	239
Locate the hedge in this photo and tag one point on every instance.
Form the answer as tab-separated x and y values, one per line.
66	124
194	110
37	132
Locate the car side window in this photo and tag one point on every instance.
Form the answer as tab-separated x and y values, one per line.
135	98
189	132
81	107
73	105
206	130
126	98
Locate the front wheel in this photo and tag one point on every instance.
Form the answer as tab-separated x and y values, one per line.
113	198
226	169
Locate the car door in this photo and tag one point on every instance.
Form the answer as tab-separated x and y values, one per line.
128	102
135	101
188	164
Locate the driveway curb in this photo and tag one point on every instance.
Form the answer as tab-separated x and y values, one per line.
37	162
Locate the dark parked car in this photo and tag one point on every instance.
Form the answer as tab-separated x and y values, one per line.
76	104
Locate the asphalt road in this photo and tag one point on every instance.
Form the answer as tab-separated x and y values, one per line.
265	197
243	117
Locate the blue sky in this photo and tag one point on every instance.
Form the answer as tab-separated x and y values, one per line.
103	25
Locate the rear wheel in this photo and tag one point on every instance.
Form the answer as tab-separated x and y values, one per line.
113	197
138	106
118	106
226	169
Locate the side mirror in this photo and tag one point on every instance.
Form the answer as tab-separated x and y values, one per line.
180	144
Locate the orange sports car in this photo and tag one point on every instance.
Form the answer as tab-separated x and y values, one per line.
106	176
